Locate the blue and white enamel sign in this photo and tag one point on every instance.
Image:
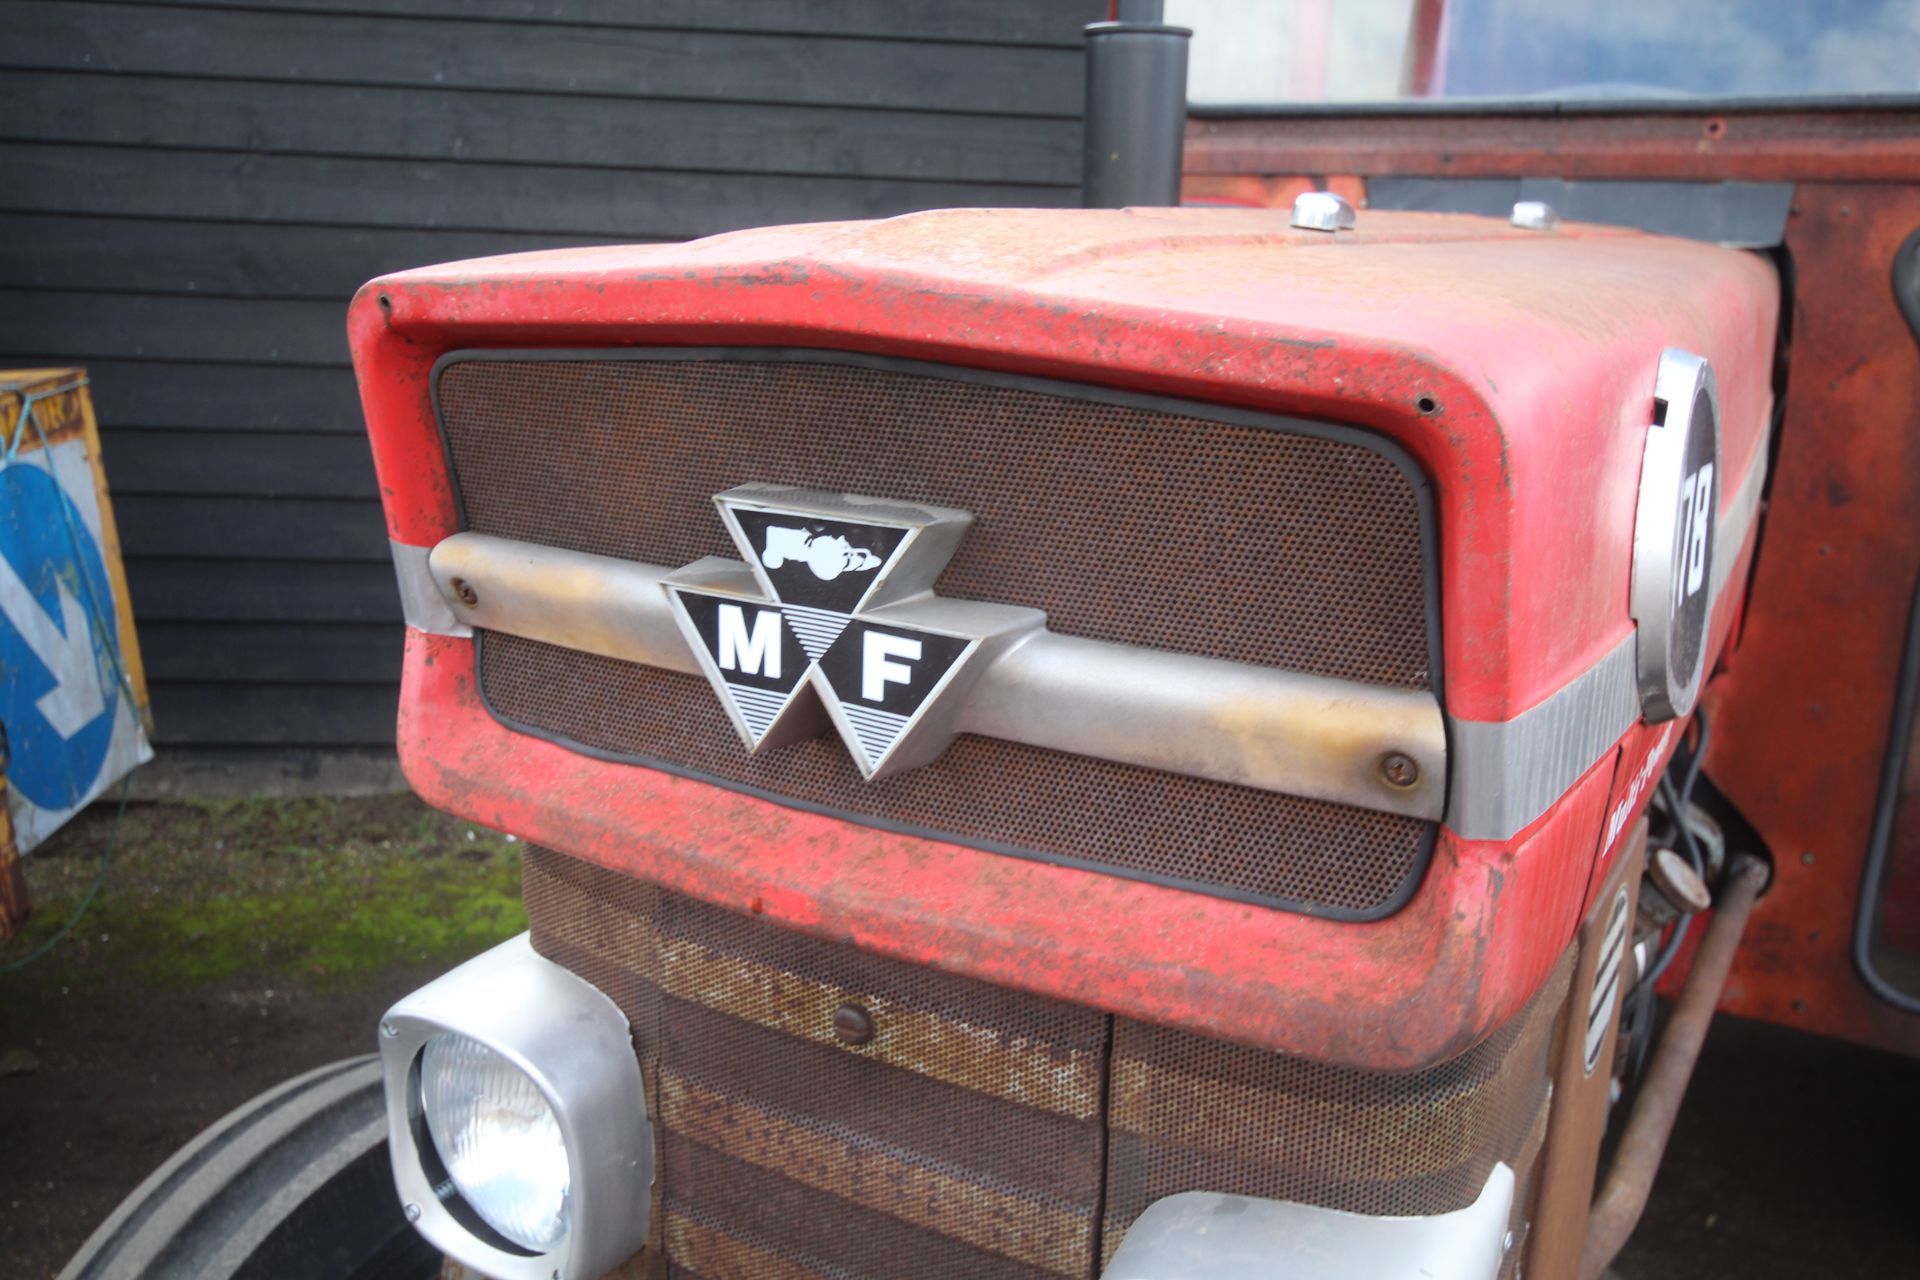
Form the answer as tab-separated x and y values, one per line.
71	726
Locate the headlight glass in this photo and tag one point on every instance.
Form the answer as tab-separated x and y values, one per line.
498	1138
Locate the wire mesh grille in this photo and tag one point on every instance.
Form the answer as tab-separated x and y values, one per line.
963	1139
1264	844
981	1131
1189	1113
1124	524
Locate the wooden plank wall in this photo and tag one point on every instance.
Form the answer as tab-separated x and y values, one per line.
190	192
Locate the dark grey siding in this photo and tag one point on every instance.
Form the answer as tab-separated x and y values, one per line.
190	192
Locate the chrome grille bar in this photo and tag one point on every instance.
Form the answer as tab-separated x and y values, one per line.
1373	747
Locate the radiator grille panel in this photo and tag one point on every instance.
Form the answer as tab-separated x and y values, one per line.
1123	523
962	1141
981	1130
1260	843
1190	1113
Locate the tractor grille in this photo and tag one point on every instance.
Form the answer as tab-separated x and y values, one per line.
1188	1113
1126	522
981	1132
1004	795
963	1140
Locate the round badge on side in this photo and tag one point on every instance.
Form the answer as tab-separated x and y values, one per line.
1673	535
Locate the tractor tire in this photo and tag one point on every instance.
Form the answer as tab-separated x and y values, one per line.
294	1185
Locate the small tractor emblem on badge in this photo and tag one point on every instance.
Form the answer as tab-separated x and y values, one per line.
828	555
829	621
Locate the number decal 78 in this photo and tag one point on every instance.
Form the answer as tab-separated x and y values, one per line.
1690	536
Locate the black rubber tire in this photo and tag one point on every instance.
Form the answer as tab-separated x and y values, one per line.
294	1185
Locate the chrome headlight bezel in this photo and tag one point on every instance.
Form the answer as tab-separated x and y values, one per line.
575	1045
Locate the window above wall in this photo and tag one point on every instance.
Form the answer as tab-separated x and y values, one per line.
1294	52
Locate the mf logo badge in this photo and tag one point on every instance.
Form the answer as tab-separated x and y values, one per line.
829	621
1673	536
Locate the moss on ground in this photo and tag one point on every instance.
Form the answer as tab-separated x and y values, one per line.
319	892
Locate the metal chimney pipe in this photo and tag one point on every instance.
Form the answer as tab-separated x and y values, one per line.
1136	116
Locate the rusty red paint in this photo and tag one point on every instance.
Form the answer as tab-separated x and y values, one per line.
1803	710
1537	356
1279	192
1407	992
1864	144
1803	716
1514	369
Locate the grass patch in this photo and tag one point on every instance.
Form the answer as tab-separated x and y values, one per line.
310	891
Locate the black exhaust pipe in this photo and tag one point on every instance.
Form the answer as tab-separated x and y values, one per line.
1136	108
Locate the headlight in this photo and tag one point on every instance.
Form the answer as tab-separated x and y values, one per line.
498	1138
517	1120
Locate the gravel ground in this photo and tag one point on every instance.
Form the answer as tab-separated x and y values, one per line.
239	942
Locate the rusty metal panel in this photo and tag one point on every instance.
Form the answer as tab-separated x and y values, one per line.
1563	1188
1801	717
959	1129
1802	710
1191	1113
823	1111
1881	144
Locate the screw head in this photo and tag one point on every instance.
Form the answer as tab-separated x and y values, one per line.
1535	215
1399	769
852	1024
413	1213
1322	211
463	590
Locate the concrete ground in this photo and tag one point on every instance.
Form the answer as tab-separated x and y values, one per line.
1792	1158
239	941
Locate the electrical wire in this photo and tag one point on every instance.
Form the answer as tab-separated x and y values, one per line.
1663	959
1677	799
1678	933
1698	759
